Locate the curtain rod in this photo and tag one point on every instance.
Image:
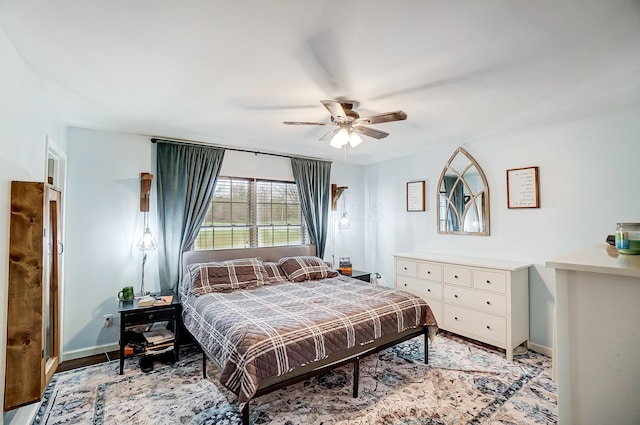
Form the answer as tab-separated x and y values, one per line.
191	142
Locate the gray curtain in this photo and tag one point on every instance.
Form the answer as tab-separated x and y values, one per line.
313	179
187	176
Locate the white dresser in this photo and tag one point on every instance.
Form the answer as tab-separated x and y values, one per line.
483	299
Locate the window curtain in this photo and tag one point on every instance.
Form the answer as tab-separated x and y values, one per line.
456	207
187	176
314	188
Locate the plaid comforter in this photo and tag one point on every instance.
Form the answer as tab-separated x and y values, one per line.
263	332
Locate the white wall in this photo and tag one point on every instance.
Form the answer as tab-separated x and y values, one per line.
25	122
348	242
588	182
104	225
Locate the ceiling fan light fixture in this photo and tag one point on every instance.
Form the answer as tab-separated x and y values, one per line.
349	123
341	138
354	139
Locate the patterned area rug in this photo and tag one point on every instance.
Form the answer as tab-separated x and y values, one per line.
464	383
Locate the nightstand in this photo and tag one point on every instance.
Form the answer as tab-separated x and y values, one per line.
133	315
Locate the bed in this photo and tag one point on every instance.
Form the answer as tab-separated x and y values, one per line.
270	317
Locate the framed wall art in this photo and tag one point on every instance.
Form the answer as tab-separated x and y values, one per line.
523	189
416	199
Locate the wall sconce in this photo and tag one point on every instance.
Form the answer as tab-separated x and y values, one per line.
147	242
145	191
336	191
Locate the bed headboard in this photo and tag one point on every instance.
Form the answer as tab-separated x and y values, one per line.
271	253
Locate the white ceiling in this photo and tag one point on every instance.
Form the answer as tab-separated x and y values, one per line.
229	72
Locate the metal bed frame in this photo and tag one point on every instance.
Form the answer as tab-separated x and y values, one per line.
304	374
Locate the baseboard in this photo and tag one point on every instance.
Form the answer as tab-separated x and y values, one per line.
87	352
22	415
541	349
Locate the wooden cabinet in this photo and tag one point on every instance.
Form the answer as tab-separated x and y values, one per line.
33	326
483	299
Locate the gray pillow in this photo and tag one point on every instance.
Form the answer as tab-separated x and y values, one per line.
303	268
226	276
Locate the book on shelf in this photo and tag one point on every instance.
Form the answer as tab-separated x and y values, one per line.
158	350
160	346
158	336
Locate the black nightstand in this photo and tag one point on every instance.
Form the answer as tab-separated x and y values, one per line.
133	315
360	275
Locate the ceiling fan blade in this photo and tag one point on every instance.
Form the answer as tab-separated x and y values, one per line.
438	83
277	107
329	135
376	134
327	64
335	109
380	118
306	123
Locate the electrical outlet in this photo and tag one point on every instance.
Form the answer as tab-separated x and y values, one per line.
108	320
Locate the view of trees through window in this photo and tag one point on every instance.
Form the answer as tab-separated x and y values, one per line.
251	213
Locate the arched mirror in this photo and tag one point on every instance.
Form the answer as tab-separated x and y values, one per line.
463	197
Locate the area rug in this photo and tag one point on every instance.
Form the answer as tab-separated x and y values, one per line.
464	383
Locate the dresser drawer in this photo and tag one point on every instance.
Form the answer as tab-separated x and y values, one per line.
406	268
436	309
485	301
490	281
474	324
151	315
420	286
457	275
430	271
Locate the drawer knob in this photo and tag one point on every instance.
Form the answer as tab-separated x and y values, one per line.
488	281
428	271
455	276
456	319
428	290
405	284
488	327
488	302
150	316
405	268
455	295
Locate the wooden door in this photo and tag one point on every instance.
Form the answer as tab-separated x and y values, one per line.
33	314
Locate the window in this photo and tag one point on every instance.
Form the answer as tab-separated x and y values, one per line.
252	213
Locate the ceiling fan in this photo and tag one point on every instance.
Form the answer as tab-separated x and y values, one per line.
349	123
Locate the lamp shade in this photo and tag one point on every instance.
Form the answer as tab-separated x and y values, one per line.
147	242
354	139
344	222
341	138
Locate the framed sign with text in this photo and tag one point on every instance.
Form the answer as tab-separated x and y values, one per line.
523	190
416	200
